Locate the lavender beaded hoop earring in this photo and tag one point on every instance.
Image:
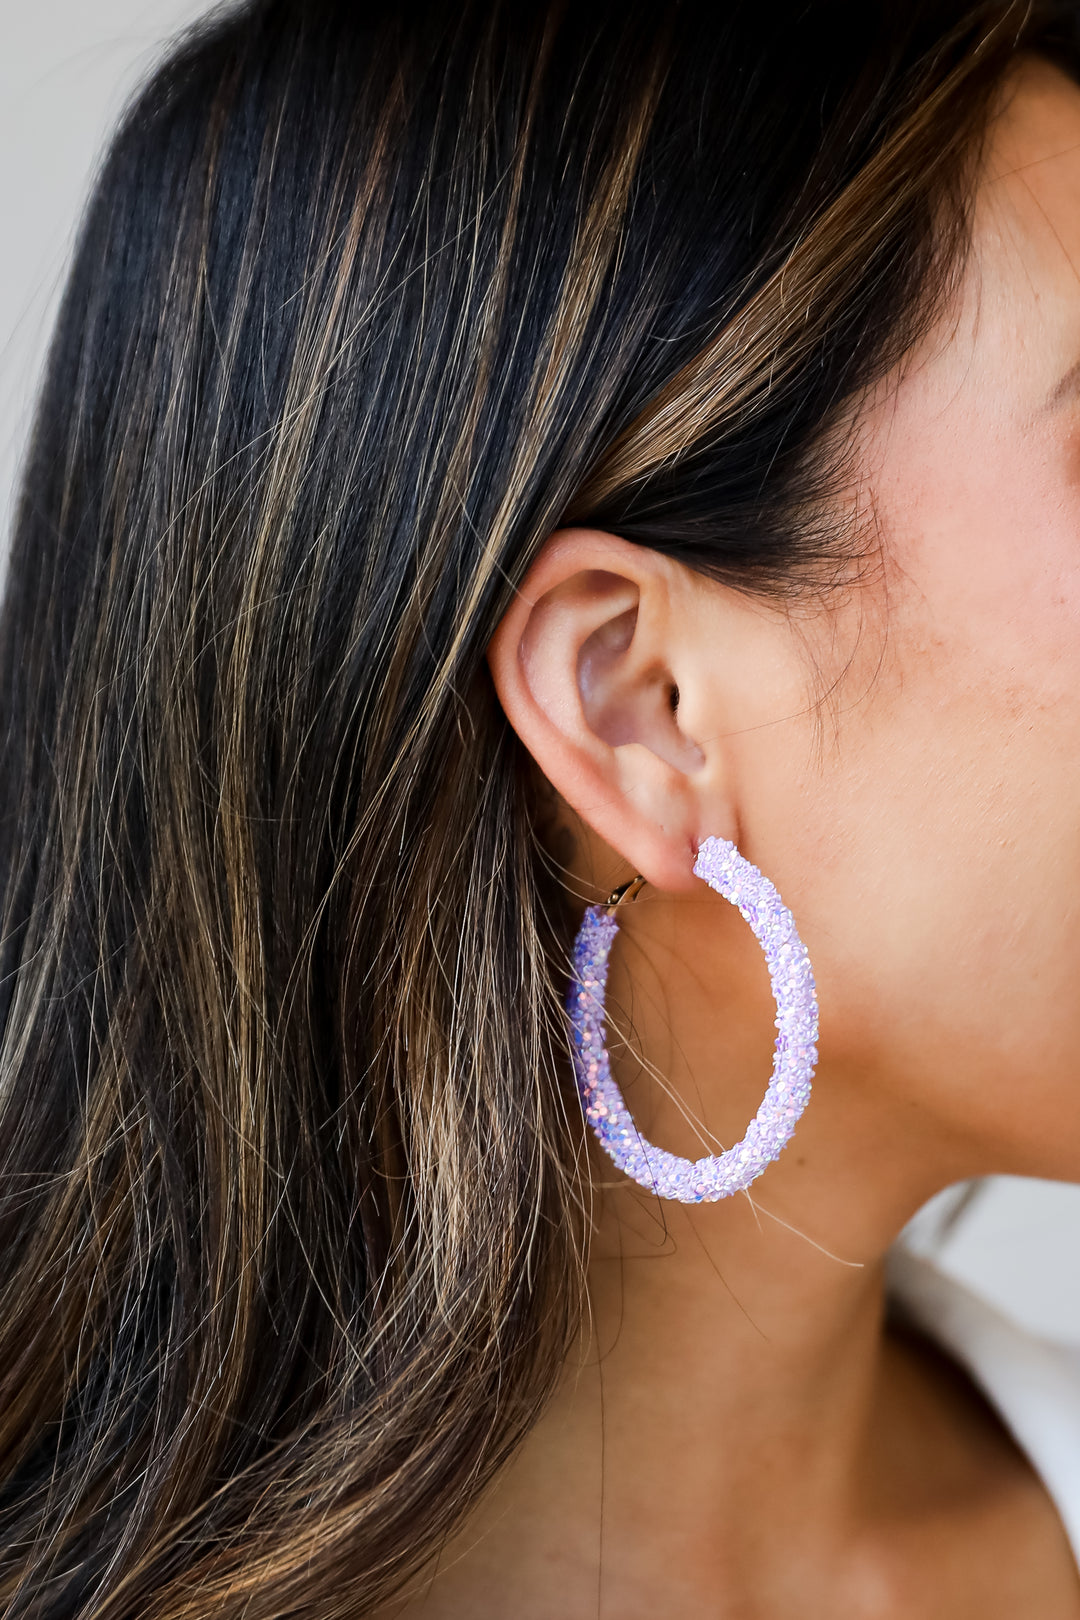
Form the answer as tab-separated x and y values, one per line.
715	1176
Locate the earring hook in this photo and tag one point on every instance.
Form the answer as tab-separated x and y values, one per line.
625	892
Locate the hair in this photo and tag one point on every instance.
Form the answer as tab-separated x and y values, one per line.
369	299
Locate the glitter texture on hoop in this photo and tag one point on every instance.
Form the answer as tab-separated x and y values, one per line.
717	1175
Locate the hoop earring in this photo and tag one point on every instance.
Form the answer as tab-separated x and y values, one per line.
717	1175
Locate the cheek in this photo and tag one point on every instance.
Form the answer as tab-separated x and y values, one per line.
941	839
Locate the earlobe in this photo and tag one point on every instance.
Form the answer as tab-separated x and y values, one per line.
589	664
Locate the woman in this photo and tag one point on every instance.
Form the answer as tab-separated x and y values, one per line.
487	453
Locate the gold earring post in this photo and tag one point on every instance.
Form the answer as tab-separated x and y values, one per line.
625	892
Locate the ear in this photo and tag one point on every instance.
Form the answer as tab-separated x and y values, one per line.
601	669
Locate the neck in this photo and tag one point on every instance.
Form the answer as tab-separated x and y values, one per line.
741	1371
731	1423
734	1409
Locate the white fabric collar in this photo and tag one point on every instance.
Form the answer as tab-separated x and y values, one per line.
1033	1383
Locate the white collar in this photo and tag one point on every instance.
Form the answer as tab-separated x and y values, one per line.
1033	1383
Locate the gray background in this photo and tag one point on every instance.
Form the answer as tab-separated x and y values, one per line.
66	70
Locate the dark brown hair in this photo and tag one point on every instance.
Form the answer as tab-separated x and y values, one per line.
370	298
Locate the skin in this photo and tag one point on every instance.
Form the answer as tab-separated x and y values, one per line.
739	1434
